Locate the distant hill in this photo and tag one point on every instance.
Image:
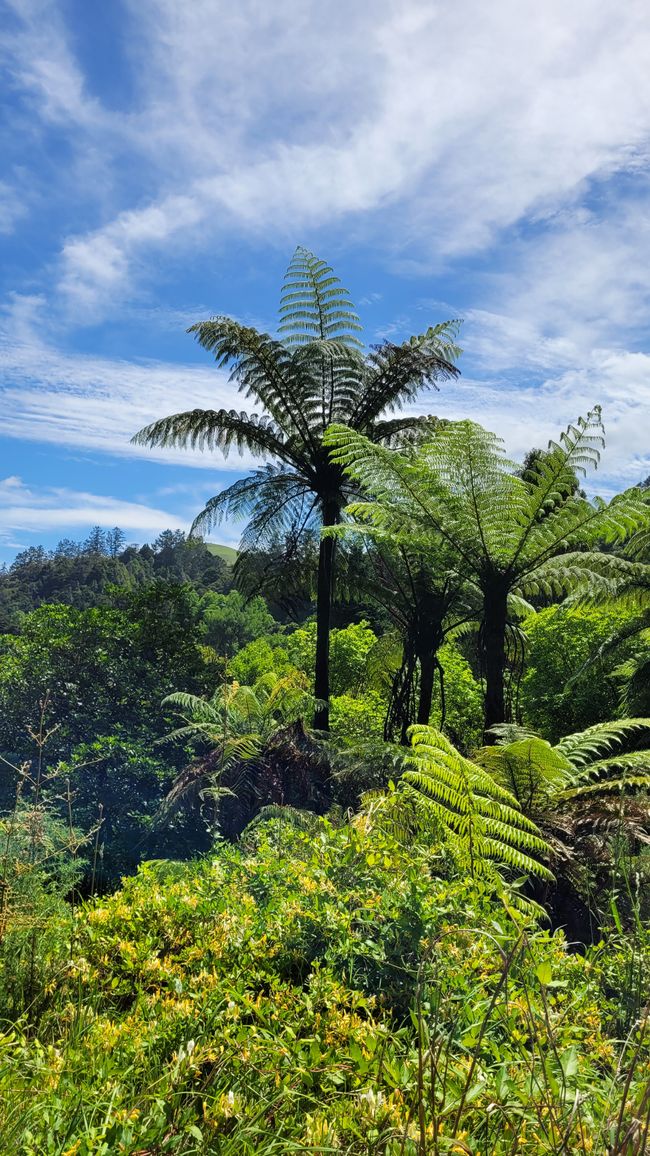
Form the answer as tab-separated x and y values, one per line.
227	553
81	574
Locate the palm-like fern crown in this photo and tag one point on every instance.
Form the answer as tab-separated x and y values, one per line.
590	775
313	373
458	487
235	722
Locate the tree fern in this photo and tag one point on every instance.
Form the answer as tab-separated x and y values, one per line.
230	729
585	747
285	815
632	593
588	780
510	538
482	819
313	373
314	304
450	801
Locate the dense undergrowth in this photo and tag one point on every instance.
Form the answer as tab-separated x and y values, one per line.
322	990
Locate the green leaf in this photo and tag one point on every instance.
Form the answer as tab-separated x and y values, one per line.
615	915
544	973
569	1061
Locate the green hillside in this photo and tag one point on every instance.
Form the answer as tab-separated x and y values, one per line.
228	553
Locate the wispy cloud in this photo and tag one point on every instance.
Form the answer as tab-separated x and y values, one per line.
97	403
430	128
26	511
528	415
429	133
12	207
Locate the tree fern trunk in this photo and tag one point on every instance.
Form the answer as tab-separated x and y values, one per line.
323	620
427	674
494	655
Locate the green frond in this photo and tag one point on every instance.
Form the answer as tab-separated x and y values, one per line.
402	430
458	487
383	661
397	372
552	475
289	816
529	767
571	789
274	500
635	676
222	429
483	817
578	524
618	786
638	547
314	304
588	745
190	703
234	724
263	368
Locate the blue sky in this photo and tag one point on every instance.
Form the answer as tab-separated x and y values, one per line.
160	162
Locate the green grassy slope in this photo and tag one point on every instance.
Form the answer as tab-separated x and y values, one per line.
228	553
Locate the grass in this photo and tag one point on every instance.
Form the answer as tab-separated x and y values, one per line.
227	553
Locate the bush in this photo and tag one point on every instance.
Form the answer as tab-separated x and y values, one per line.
358	718
561	640
318	990
463	700
349	649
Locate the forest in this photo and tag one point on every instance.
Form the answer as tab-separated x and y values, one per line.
338	843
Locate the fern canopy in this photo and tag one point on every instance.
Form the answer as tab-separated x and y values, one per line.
463	808
481	818
510	538
233	726
314	372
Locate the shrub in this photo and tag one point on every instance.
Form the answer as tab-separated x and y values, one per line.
319	991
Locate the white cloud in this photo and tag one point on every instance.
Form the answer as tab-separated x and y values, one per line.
429	131
12	207
528	415
430	128
95	403
40	61
583	283
44	510
529	386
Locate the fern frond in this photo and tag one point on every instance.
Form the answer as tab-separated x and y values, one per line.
207	429
291	816
262	368
570	789
484	817
397	372
585	746
314	304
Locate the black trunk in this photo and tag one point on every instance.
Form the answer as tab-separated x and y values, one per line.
427	674
323	618
494	654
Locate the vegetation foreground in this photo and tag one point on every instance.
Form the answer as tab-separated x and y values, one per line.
325	991
417	924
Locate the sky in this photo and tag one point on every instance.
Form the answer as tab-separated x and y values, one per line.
160	161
